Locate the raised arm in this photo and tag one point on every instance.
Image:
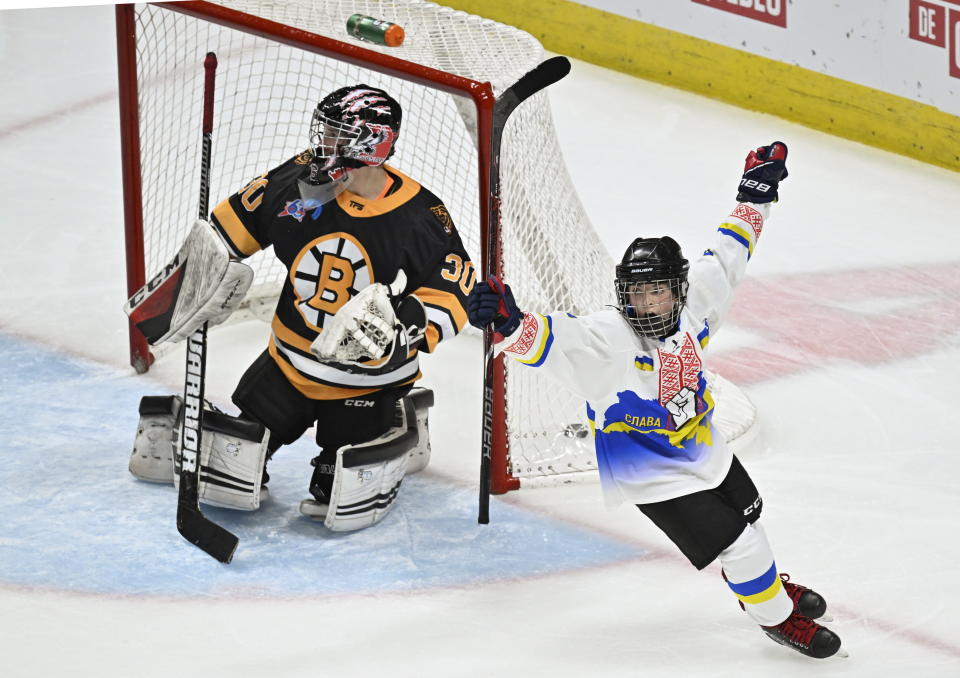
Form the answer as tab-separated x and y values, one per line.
720	269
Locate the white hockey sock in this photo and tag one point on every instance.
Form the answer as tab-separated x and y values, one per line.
752	575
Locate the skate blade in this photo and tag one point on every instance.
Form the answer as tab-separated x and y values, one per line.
827	617
842	654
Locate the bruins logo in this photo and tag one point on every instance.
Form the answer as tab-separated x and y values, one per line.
443	216
326	273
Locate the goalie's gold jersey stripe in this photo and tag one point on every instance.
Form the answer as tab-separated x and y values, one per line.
445	300
432	335
288	336
242	241
315	391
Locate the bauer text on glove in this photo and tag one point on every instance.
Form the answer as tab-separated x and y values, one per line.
763	171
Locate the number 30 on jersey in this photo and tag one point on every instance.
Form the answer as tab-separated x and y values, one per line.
458	272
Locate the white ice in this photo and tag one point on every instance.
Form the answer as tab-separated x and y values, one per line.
845	335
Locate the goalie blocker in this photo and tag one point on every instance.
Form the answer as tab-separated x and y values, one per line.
231	459
367	476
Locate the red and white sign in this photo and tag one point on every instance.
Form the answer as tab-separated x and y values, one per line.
937	23
769	11
953	28
928	22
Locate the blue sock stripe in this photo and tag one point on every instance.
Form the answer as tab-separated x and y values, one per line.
758	585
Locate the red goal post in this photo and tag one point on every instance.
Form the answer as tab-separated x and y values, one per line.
276	59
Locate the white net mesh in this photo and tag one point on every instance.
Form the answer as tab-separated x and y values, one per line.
265	95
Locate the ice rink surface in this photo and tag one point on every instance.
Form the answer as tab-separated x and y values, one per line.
845	335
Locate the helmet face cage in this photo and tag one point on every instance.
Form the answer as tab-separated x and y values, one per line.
652	306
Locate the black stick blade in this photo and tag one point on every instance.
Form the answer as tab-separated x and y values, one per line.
550	71
206	534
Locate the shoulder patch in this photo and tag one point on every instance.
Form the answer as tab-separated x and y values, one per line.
443	216
304	158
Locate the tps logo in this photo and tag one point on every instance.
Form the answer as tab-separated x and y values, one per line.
768	11
937	23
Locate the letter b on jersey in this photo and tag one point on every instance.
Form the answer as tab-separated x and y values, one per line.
333	284
326	273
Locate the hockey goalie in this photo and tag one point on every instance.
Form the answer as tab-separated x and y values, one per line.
377	275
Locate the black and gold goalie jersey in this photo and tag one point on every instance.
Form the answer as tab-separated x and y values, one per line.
333	251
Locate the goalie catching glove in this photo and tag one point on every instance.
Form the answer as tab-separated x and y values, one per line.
201	285
374	325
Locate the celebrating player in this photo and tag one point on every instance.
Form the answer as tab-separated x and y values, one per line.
377	274
650	404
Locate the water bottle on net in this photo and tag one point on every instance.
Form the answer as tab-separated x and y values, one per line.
374	30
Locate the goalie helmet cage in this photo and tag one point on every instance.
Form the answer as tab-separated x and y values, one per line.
276	60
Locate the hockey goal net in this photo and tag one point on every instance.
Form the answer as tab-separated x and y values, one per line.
276	60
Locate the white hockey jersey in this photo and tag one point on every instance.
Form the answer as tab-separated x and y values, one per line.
649	401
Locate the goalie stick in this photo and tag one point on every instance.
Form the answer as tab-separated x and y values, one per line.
541	77
191	523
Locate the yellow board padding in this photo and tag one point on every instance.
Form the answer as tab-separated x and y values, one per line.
816	100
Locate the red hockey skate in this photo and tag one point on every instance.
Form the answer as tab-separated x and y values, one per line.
805	636
806	601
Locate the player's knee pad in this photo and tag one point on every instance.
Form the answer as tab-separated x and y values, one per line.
156	439
367	477
422	399
232	456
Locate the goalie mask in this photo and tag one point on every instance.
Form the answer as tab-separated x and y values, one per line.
352	127
652	286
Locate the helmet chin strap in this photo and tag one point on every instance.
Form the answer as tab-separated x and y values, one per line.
324	192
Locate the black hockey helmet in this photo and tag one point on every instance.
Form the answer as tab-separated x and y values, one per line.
357	124
652	285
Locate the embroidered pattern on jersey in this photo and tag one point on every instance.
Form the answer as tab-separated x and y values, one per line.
528	333
298	209
326	273
680	382
536	338
749	215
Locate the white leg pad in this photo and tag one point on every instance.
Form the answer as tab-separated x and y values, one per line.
367	478
155	442
420	454
233	453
